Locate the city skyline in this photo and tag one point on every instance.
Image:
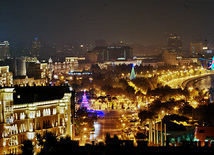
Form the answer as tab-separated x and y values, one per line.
134	22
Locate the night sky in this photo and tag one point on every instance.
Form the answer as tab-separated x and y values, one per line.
84	21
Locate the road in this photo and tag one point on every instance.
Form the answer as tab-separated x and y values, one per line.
108	124
182	82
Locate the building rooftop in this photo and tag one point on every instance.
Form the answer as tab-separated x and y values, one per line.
38	93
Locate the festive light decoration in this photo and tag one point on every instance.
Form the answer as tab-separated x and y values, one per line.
84	103
133	76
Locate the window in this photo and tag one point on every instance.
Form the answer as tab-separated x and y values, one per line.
38	113
54	111
46	112
22	115
32	114
31	127
8	120
22	128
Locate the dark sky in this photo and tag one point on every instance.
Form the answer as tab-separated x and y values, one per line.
84	21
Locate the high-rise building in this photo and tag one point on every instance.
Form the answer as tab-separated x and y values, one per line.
114	53
4	50
36	47
174	43
200	48
195	47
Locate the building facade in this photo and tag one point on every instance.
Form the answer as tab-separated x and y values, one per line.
37	70
36	47
6	77
196	47
174	43
22	119
169	57
114	53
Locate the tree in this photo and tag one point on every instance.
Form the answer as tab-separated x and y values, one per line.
186	110
144	114
49	143
27	148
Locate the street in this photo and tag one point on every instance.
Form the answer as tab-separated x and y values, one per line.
108	124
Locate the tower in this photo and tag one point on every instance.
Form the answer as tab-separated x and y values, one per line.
133	76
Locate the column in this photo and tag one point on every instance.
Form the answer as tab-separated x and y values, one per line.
154	133
157	133
165	134
161	128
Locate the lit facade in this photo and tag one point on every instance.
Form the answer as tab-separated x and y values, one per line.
6	77
37	70
19	122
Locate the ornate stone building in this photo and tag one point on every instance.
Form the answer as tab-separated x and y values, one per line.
27	111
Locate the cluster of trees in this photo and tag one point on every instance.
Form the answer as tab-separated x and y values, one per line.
129	91
110	80
156	108
146	83
203	113
166	92
50	145
83	121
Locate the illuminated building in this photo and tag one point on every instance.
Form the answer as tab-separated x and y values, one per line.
6	77
27	111
25	81
4	50
37	70
72	63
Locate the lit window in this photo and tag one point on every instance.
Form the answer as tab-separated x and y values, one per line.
46	112
54	111
32	114
31	127
38	113
22	115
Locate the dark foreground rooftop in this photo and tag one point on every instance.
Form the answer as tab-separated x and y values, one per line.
124	149
38	93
